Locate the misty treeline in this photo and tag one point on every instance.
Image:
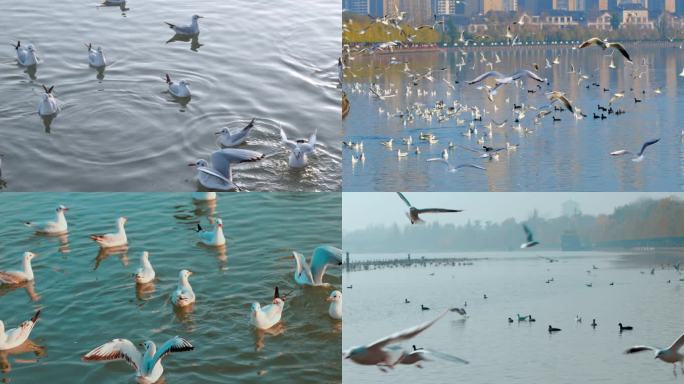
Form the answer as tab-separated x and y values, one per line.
642	219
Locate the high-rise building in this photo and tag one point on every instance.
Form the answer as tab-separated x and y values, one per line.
417	11
445	7
358	6
375	8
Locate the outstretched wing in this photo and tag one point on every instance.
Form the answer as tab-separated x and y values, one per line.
620	48
641	348
175	344
223	158
646	144
311	145
593	40
678	344
526	73
302	269
322	257
528	232
405	334
213	173
117	349
437	210
401	195
485	76
288	143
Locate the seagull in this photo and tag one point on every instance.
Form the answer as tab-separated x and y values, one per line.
639	156
335	309
96	57
376	354
145	274
188	30
454	169
605	45
420	354
323	256
19	277
48	104
213	238
183	295
180	89
219	175
669	355
506	79
26	56
148	367
414	213
269	315
560	96
113	240
530	238
226	139
52	228
16	336
616	96
298	149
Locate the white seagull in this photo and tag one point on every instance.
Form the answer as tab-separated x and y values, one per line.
48	103
147	365
376	353
16	336
414	213
298	149
506	79
226	139
145	273
180	89
183	295
269	315
530	238
26	56
639	156
335	309
455	168
417	355
323	256
96	57
113	240
187	30
213	238
219	176
19	277
54	228
669	355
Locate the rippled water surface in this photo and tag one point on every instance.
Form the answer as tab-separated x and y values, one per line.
89	298
569	155
120	130
522	352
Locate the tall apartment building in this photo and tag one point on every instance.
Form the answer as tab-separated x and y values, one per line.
444	7
417	11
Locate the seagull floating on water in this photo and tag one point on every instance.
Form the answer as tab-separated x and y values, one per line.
147	365
183	295
113	240
145	274
19	277
298	149
54	228
26	56
323	257
414	213
17	336
96	57
188	30
670	354
219	176
180	89
226	139
213	238
269	315
639	156
530	238
48	104
335	309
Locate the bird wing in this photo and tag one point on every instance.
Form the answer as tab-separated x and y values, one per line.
302	267
223	158
11	277
405	334
646	144
445	356
526	73
484	76
620	48
528	232
174	344
620	152
288	143
593	40
437	210
117	349
212	172
401	195
468	165
641	348
678	344
322	257
439	160
311	145
248	126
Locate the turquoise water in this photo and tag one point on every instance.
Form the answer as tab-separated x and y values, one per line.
89	298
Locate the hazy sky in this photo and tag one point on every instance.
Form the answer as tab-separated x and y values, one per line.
362	209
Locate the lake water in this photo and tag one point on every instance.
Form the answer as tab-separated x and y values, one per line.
122	131
89	298
569	155
515	283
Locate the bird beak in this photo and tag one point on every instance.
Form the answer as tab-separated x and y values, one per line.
217	133
192	165
328	299
190	273
200	17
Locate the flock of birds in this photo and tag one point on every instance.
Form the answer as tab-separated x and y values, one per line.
468	114
215	176
387	352
148	363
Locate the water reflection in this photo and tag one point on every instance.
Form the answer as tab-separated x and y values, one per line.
27	347
47	121
143	292
261	334
104	253
194	41
31	71
29	286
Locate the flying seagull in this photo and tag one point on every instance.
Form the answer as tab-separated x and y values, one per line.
669	355
455	168
639	156
605	45
414	213
530	238
506	79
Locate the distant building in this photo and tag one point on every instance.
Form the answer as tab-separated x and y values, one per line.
357	6
375	8
635	16
603	22
418	12
499	6
445	7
